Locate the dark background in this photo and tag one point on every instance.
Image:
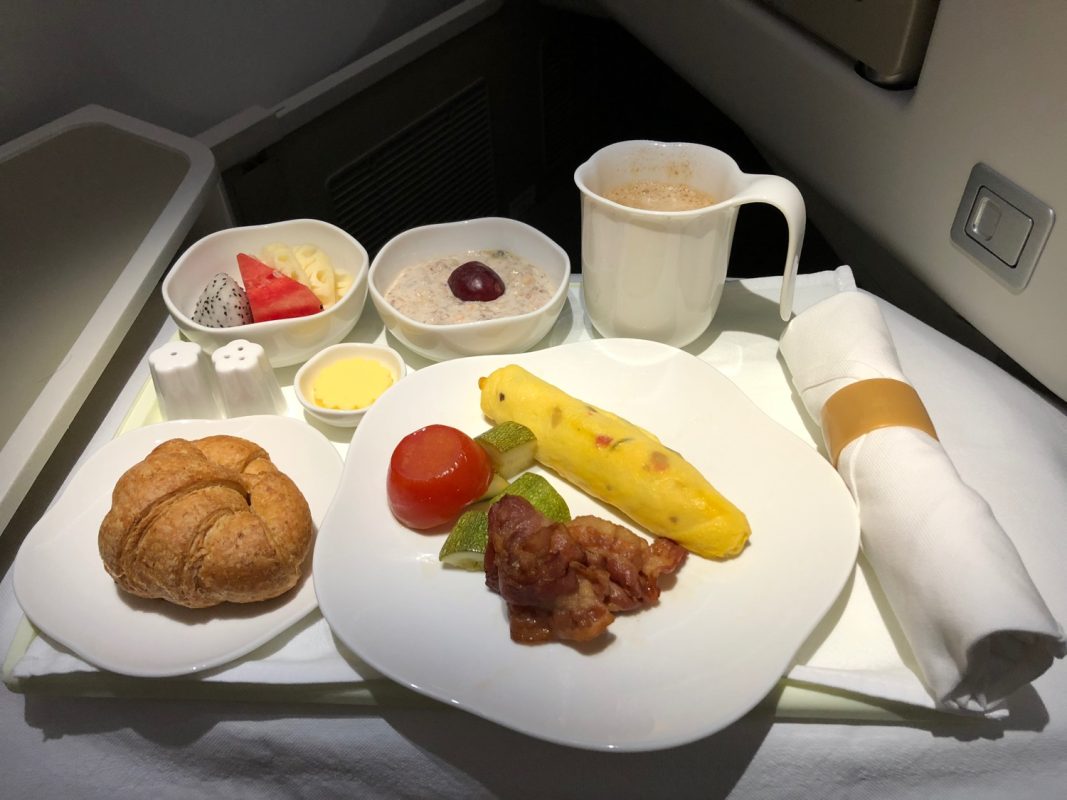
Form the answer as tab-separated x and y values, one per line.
494	123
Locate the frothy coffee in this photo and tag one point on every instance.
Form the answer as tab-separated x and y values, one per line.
659	196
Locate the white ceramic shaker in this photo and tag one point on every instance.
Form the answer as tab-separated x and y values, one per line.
246	380
184	382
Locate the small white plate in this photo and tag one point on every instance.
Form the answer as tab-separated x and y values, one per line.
720	637
62	586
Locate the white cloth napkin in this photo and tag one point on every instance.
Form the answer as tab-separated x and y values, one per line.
976	624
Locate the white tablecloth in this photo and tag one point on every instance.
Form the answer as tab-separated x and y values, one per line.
64	746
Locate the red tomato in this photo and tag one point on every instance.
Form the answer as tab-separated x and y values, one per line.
434	473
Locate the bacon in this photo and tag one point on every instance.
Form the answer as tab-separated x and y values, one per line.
568	580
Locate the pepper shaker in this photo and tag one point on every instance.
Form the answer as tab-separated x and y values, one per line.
184	382
246	380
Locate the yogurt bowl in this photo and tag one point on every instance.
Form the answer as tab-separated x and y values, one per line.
286	341
513	333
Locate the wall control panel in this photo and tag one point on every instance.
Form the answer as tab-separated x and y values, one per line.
1002	226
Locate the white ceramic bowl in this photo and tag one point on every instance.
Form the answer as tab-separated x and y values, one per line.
286	341
305	378
507	335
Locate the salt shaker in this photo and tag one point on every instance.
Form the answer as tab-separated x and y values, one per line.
184	382
246	380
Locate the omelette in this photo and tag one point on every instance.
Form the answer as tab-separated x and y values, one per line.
618	463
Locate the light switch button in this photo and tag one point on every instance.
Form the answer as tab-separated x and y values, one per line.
998	226
1001	226
985	220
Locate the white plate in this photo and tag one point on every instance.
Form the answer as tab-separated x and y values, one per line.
717	642
62	586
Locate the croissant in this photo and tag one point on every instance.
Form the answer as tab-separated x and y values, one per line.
204	522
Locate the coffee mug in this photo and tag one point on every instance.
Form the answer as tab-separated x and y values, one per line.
658	272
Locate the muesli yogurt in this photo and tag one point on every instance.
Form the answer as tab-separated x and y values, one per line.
421	291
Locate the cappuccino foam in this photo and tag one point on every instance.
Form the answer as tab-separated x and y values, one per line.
658	196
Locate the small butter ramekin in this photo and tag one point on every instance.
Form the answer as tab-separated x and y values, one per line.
305	378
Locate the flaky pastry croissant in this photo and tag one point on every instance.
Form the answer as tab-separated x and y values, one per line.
204	522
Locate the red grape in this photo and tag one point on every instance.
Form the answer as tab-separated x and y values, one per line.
475	281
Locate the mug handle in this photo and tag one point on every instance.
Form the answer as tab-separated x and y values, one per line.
784	196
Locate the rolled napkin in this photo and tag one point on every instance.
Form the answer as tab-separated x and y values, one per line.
976	624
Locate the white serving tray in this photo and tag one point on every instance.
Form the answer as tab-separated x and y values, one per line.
308	664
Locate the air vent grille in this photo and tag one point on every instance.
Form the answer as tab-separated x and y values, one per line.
439	169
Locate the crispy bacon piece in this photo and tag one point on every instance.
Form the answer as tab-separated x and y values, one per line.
568	580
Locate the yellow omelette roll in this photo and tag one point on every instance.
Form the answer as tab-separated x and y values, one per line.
618	463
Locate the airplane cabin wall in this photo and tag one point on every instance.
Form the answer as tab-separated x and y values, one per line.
185	66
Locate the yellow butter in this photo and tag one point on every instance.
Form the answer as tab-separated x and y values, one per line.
619	463
350	384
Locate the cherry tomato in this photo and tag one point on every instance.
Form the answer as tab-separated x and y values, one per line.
434	473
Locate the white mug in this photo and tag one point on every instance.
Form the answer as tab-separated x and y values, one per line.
660	274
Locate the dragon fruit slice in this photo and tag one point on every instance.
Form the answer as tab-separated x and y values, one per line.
222	304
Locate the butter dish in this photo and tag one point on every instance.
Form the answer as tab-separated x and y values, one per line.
304	384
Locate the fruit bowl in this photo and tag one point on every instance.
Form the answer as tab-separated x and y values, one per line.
510	334
286	341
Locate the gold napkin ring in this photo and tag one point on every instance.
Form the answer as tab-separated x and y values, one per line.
864	406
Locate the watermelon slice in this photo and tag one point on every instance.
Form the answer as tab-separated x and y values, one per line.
271	294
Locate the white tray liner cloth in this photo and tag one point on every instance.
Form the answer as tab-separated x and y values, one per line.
307	653
977	627
56	746
855	649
